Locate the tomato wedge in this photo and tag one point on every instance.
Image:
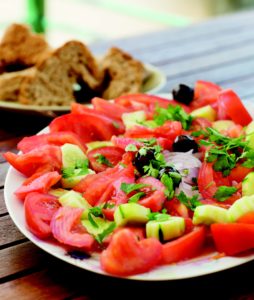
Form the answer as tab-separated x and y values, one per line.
233	238
127	256
41	184
233	107
184	247
67	229
39	210
112	157
57	138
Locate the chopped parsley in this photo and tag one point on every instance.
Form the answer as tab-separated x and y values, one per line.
131	148
101	236
148	142
225	152
173	113
161	217
101	159
127	188
80	168
224	192
189	202
96	211
136	197
169	184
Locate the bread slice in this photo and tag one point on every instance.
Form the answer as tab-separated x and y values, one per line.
20	48
54	79
10	84
124	74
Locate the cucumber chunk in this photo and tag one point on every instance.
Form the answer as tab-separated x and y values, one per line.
222	125
98	144
248	185
206	112
166	230
75	199
241	207
58	192
71	155
209	214
71	181
133	118
101	225
250	134
131	213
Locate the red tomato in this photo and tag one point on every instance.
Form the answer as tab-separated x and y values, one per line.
112	110
155	193
67	228
169	130
205	93
39	210
247	218
234	131
206	184
137	101
239	173
127	256
41	185
89	127
233	238
123	142
185	247
112	154
57	138
233	107
176	208
101	187
46	157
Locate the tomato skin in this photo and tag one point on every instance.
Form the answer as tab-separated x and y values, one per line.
47	157
39	210
233	238
112	154
184	247
155	199
123	142
233	107
247	218
57	139
91	126
206	184
127	256
205	93
112	110
41	185
67	229
239	173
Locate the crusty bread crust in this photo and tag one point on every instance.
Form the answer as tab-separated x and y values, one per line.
125	74
19	46
52	83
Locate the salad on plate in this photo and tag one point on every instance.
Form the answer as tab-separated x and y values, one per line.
143	181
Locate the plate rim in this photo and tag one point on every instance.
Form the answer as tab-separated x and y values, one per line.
148	276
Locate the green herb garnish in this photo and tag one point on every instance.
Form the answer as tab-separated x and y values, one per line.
189	202
224	192
101	236
101	159
127	188
136	197
131	148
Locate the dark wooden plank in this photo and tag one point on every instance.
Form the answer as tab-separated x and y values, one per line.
3	209
217	26
9	232
35	286
20	258
3	170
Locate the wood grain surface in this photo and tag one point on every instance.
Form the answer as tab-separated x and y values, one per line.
219	50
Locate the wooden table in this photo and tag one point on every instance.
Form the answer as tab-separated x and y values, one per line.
220	50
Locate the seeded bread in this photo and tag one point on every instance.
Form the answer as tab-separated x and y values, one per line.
124	74
53	81
20	48
10	84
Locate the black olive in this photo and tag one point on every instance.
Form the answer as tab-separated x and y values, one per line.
173	173
143	160
185	143
183	94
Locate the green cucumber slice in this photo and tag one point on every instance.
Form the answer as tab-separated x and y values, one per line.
133	118
241	207
131	213
248	185
209	214
167	230
75	199
71	155
98	144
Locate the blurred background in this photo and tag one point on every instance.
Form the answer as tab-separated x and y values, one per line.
95	20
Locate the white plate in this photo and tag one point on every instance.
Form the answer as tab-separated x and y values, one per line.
187	269
154	83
